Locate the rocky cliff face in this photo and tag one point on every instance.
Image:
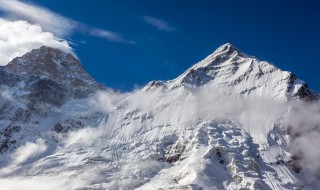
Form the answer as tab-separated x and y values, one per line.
33	87
222	124
54	66
46	76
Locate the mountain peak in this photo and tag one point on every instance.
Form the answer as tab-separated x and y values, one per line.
227	47
227	57
222	55
47	62
53	64
231	69
48	48
46	52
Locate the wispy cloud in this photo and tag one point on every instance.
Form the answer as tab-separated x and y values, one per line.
52	22
28	26
158	23
109	35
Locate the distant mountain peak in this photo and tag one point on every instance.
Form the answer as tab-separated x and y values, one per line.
42	61
51	63
47	48
62	68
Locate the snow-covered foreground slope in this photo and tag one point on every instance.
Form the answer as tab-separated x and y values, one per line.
223	124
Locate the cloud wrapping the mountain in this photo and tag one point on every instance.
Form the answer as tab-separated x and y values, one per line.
20	37
106	100
259	116
28	151
202	103
30	184
304	128
256	115
43	183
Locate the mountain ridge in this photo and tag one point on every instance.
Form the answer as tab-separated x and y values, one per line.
232	67
222	124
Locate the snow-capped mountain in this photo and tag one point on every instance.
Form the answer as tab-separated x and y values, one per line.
225	123
34	87
229	68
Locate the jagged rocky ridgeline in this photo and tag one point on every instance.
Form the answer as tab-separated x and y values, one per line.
230	68
53	67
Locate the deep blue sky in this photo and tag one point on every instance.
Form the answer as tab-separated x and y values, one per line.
283	32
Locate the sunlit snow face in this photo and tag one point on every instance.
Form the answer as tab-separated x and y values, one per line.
137	122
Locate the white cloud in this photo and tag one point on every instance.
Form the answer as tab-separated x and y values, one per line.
304	127
19	37
31	183
28	151
109	35
158	23
50	21
43	182
106	101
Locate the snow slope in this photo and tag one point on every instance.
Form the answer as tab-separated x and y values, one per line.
222	124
